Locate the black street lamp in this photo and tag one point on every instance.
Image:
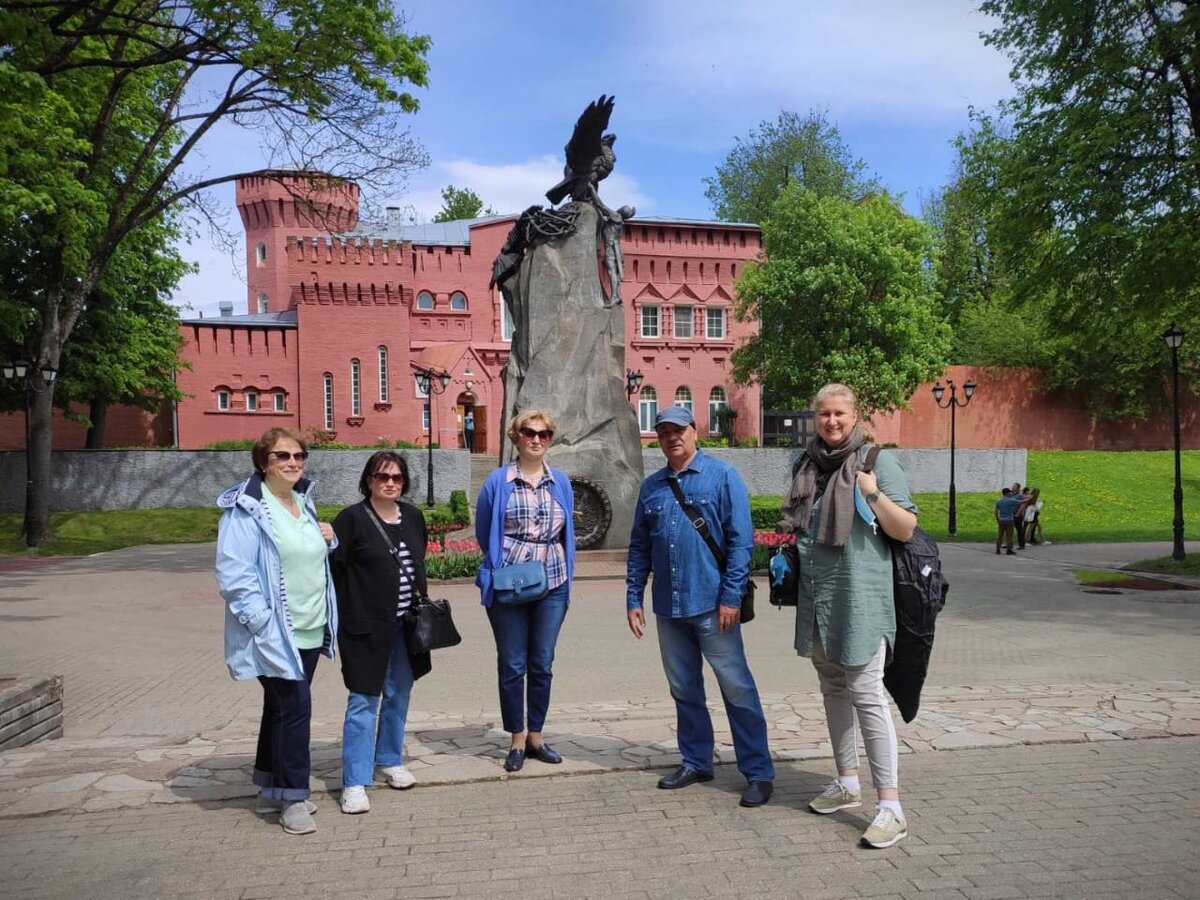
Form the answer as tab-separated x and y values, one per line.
21	375
431	383
1174	338
633	382
953	403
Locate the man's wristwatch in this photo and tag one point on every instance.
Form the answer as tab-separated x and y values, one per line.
872	497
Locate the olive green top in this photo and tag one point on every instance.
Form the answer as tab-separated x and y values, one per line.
848	590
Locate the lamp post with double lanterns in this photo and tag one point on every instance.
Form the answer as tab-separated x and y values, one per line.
953	403
431	383
633	382
20	375
1174	339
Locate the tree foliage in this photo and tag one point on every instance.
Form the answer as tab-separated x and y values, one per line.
843	294
101	105
1095	192
461	203
793	149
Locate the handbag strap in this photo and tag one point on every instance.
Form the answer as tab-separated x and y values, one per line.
392	548
698	522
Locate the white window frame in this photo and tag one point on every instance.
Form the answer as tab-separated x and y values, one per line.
355	388
718	398
384	394
683	396
715	314
421	295
328	386
507	326
263	302
260	253
251	401
223	400
685	315
650	320
458	294
647	408
425	426
280	401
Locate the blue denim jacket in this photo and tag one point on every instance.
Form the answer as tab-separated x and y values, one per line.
687	581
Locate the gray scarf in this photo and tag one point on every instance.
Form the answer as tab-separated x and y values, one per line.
836	467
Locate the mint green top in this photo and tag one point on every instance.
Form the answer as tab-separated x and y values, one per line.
302	555
847	591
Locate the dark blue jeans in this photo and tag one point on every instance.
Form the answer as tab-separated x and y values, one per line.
683	644
525	639
281	764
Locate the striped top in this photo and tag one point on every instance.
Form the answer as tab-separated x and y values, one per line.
407	570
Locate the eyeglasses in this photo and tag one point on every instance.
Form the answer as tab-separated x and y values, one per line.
385	477
544	436
283	456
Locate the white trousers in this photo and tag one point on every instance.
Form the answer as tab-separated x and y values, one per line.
854	698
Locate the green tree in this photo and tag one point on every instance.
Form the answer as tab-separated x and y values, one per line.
1097	190
102	104
844	294
461	203
793	149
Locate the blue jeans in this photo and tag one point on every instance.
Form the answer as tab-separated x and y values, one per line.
282	762
525	639
374	736
683	643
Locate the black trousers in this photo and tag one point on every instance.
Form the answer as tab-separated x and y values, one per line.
281	763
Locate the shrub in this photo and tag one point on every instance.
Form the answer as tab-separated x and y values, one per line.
764	512
459	508
240	444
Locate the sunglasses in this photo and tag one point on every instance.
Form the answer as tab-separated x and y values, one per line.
283	455
385	477
529	434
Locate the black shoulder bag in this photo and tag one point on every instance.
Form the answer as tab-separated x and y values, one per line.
697	520
427	623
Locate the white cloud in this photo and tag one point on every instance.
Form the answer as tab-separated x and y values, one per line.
511	187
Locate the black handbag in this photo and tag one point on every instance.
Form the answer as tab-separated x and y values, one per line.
697	520
428	626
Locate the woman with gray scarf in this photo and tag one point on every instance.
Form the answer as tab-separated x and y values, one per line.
845	617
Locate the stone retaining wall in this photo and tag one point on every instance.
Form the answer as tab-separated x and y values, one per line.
31	709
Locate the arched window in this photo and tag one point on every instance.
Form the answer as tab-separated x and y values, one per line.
458	300
424	300
260	253
355	388
223	399
717	399
328	401
683	396
383	374
262	301
647	408
251	401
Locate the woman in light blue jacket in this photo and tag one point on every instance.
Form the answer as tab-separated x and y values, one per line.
280	612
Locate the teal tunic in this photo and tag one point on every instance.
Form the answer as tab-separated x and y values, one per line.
847	591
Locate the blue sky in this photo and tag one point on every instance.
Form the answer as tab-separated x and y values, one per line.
508	79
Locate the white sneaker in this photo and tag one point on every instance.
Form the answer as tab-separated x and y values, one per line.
355	800
396	777
265	806
836	796
887	829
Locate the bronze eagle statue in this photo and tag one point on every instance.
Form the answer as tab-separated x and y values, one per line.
590	156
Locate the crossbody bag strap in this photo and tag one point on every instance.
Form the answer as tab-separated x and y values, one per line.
698	522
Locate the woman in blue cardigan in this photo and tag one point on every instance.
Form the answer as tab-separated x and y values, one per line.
525	511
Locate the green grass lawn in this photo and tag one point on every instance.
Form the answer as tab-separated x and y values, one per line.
1089	496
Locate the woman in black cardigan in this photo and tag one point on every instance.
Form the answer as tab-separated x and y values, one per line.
379	570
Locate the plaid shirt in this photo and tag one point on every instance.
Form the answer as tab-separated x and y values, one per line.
533	526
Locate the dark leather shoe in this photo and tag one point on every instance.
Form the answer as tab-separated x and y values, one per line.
543	752
757	793
515	760
682	777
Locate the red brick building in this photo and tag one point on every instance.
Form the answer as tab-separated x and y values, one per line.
338	319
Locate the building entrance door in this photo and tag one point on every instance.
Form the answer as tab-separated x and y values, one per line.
468	421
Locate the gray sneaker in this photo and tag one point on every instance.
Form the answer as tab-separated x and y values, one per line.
887	829
833	798
296	819
267	806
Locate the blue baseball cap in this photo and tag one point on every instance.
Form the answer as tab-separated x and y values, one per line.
675	415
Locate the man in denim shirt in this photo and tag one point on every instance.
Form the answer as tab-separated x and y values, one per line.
698	605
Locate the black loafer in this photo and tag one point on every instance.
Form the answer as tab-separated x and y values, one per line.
543	752
757	793
515	760
682	777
